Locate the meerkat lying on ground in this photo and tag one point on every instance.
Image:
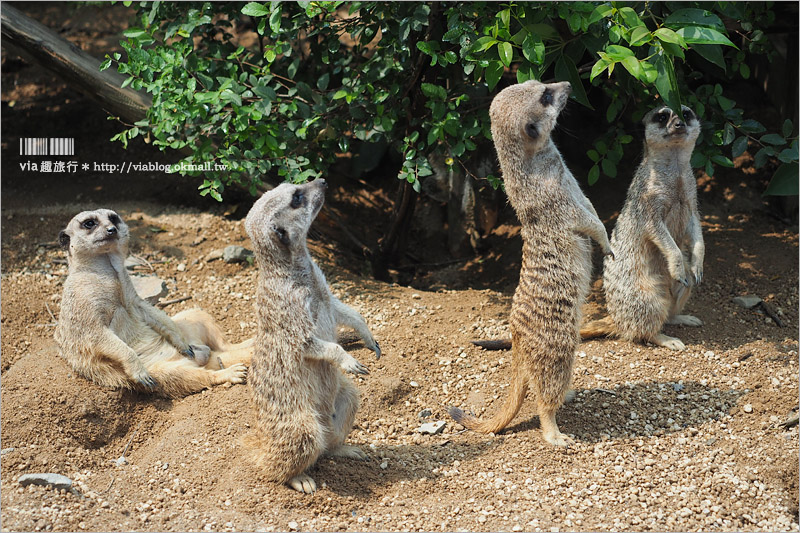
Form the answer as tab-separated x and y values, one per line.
305	404
111	336
658	238
557	221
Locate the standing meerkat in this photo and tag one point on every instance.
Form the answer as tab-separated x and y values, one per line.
305	404
658	238
111	336
557	220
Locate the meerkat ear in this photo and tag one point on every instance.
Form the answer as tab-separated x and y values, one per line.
283	236
63	239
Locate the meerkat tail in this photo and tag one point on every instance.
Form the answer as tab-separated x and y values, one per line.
598	328
495	344
516	395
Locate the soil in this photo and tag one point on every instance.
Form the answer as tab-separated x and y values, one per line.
672	441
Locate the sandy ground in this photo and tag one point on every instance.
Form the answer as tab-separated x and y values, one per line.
665	441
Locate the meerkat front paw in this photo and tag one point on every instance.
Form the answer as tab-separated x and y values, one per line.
351	452
373	345
559	439
352	365
303	483
697	272
143	377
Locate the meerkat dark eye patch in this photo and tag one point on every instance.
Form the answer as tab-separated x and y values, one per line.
547	97
114	219
63	239
531	130
661	117
283	236
297	199
688	116
89	224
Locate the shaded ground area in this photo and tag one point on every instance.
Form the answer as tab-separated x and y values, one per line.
665	441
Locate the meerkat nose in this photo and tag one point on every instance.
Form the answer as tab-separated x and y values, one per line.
112	230
321	182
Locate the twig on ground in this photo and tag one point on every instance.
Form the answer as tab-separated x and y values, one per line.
51	313
174	301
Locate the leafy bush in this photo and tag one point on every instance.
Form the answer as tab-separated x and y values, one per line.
420	77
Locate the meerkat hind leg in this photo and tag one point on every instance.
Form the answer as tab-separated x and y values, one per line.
303	483
666	341
550	431
342	419
684	320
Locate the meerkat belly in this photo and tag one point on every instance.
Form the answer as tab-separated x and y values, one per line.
554	281
131	328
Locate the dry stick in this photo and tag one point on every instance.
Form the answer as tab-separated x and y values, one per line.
770	312
170	302
51	313
146	262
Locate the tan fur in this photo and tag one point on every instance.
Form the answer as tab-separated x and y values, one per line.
658	238
557	221
305	404
111	336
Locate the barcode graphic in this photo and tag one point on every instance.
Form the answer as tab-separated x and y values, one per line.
47	146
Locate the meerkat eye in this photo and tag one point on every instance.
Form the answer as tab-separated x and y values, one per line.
688	115
662	117
547	97
531	130
89	224
297	199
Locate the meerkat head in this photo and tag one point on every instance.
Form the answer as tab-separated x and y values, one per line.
278	222
523	115
101	231
663	128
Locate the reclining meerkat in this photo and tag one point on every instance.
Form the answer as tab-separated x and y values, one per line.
111	336
557	221
658	237
305	404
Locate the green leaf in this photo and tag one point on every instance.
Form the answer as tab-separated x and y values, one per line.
632	65
693	17
483	44
322	81
739	147
434	92
493	73
506	52
565	69
700	35
752	126
711	53
721	160
641	35
609	168
275	18
784	182
788	127
600	12
666	82
618	53
505	17
630	17
133	33
744	70
598	68
594	175
593	155
533	49
105	64
773	138
669	36
788	155
254	9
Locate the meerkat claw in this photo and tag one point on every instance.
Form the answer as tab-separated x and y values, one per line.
189	352
377	350
148	382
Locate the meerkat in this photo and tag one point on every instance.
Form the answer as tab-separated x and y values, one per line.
658	237
557	221
109	335
305	404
